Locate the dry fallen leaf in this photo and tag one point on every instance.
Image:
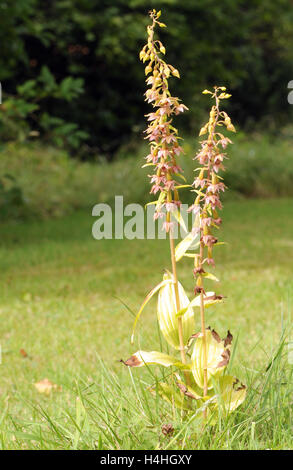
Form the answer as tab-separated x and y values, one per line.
23	353
46	386
167	429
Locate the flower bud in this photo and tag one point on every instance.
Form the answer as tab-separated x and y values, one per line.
201	174
215	179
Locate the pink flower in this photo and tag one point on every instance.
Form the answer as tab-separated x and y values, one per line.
195	208
209	240
155	188
210	261
168	226
177	149
170	206
158	215
206	221
170	185
180	109
216	188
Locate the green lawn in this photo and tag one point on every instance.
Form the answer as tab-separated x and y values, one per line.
61	294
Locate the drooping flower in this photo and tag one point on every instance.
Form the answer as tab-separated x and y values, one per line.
208	184
161	134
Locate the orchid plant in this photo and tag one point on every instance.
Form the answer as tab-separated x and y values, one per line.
198	379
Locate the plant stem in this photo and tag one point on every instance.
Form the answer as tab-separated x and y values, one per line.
180	325
203	329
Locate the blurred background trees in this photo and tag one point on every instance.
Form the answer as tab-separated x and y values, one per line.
70	71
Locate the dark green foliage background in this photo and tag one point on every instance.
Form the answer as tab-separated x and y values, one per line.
245	45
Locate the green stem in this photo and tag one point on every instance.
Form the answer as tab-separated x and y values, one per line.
203	329
174	271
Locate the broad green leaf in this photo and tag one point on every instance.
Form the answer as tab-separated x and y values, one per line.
142	358
181	312
184	245
146	300
208	302
217	358
232	392
173	397
191	241
210	276
168	313
177	216
190	255
229	393
193	392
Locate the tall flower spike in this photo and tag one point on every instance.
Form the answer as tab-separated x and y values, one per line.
161	134
208	186
164	146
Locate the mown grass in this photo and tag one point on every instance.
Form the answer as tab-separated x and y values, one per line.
62	297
